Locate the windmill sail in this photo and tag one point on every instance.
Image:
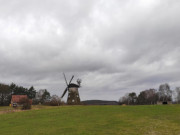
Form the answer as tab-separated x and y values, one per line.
67	85
64	93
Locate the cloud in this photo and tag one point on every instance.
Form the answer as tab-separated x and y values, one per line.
114	46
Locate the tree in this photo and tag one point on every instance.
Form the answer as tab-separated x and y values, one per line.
45	96
177	91
125	99
42	96
12	87
133	98
31	93
18	90
55	100
142	98
148	97
165	94
5	94
129	99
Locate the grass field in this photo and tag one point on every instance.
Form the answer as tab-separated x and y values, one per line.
92	120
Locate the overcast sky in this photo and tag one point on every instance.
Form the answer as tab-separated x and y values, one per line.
115	47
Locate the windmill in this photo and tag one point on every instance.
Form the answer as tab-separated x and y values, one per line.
73	94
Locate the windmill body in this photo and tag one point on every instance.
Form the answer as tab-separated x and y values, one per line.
73	93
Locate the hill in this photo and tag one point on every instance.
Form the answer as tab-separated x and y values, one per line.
99	102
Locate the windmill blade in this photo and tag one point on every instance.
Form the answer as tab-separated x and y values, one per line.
71	79
70	82
67	85
65	79
64	92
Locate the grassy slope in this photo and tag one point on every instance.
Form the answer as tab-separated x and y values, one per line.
94	120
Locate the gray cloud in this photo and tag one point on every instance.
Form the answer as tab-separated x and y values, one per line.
114	46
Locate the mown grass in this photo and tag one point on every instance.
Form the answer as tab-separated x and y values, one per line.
93	120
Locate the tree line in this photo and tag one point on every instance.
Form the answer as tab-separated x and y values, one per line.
6	92
149	96
152	96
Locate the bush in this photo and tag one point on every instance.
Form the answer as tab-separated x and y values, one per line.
54	103
25	102
36	101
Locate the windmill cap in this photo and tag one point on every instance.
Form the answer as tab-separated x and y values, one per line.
73	85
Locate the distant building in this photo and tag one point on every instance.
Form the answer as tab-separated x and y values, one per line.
164	102
15	100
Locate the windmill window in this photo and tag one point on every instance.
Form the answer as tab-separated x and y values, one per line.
73	100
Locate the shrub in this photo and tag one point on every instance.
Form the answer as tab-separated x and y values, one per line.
54	103
25	102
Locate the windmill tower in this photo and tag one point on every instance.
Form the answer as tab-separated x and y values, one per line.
73	93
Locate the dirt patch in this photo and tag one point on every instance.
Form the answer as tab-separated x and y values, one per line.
10	111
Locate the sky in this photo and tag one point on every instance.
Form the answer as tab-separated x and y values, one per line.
115	47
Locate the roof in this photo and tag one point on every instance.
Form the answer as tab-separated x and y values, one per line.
73	85
17	98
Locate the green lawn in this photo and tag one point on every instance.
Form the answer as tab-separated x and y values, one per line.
93	120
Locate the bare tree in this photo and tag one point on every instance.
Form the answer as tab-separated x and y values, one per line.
129	99
125	99
55	100
42	96
165	93
148	97
177	96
